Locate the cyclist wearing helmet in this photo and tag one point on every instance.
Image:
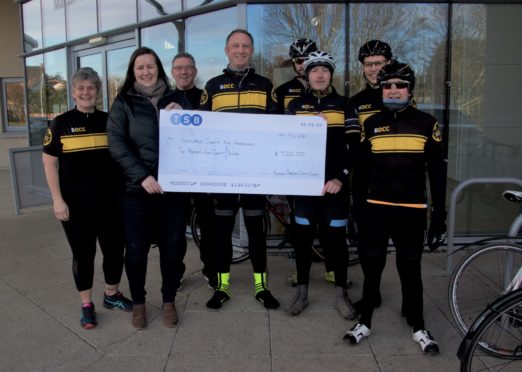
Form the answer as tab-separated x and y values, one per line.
373	55
286	92
398	145
330	210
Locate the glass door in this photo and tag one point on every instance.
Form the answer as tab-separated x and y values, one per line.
110	62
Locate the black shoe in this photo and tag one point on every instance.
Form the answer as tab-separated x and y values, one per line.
266	298
217	300
118	301
88	319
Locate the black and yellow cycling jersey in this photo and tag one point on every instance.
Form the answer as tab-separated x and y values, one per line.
367	102
79	141
287	92
396	149
245	92
341	142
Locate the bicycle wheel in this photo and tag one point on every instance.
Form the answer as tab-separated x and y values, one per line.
494	342
318	253
479	278
239	254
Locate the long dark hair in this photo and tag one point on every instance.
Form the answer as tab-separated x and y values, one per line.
130	78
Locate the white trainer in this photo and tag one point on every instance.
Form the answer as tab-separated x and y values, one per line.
357	333
426	341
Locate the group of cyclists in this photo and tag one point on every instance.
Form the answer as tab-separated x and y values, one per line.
102	172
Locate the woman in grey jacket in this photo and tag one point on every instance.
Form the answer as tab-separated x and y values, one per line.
150	215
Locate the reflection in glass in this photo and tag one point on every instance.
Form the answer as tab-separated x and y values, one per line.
36	98
206	41
56	83
53	15
117	63
95	62
417	35
81	19
275	27
152	9
485	138
14	99
187	4
116	13
163	39
32	26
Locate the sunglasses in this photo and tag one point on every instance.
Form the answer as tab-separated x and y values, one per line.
298	61
398	85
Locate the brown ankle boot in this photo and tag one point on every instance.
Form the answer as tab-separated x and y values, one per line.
139	316
170	316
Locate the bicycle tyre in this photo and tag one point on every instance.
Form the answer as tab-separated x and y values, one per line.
239	254
495	338
353	257
478	279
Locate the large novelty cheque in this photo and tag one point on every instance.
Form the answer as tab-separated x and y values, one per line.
218	152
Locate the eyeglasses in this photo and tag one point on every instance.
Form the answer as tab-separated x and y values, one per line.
397	85
298	61
378	64
186	68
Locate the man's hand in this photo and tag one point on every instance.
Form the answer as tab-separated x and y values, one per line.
332	186
437	231
151	185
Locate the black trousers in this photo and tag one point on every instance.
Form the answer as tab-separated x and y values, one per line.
226	208
91	221
406	227
329	213
157	219
204	205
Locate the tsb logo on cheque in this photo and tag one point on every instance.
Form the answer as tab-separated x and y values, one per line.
186	119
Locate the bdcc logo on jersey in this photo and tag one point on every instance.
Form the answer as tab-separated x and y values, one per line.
204	97
48	137
274	95
436	133
186	119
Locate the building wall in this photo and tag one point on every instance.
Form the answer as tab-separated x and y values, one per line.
11	66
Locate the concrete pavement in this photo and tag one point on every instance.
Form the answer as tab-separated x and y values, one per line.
40	312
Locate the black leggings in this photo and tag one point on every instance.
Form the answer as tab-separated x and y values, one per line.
406	227
226	209
90	221
329	212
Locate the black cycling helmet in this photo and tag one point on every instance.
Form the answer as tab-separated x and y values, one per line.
319	58
397	70
375	48
302	48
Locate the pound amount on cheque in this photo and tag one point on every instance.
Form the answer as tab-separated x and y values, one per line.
289	153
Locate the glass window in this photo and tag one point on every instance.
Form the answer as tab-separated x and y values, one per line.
275	27
205	40
417	35
36	98
47	91
81	19
485	91
164	40
117	63
152	9
116	13
32	25
53	16
187	4
14	104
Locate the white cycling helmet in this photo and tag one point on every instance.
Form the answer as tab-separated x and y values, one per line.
319	58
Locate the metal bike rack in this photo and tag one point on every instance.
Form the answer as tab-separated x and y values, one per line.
513	231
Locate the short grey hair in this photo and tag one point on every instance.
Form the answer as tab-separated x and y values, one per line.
87	73
184	55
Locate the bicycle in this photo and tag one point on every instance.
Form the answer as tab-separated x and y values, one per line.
279	208
484	273
494	340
